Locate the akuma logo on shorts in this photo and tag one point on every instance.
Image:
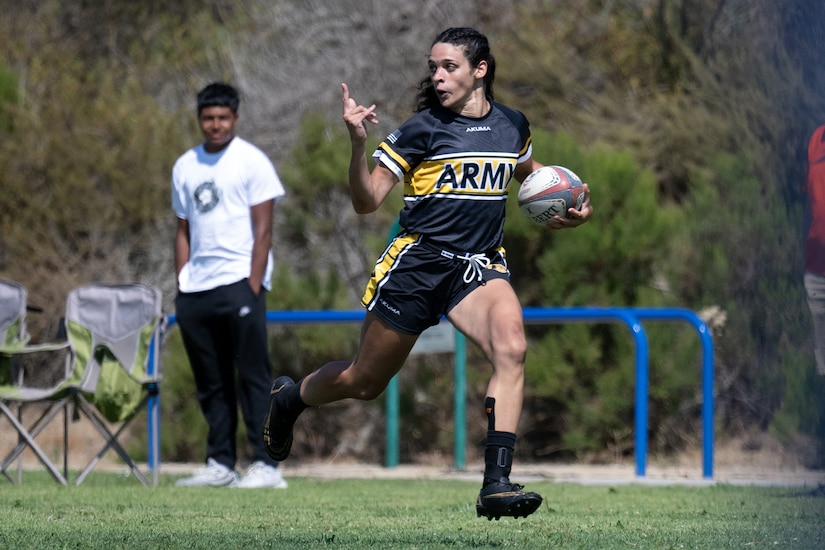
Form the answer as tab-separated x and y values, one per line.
391	309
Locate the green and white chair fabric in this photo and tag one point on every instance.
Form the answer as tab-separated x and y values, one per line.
112	368
14	343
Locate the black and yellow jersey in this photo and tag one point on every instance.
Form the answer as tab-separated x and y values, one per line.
456	172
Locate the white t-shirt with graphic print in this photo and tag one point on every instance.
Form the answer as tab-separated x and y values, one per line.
214	193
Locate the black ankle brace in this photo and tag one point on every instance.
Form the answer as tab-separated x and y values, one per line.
498	457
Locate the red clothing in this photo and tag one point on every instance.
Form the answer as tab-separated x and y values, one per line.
815	188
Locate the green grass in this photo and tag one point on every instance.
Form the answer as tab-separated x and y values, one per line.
110	511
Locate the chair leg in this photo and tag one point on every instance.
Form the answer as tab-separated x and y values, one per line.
66	439
28	435
19	440
111	441
153	433
28	440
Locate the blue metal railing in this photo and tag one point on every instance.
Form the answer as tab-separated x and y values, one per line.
672	314
631	317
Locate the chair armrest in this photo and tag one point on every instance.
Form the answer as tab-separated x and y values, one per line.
19	349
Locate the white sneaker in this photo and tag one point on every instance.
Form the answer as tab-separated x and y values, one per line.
214	475
261	474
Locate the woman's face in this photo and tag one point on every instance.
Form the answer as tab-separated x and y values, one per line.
453	77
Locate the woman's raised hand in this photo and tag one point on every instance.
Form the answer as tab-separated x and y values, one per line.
356	116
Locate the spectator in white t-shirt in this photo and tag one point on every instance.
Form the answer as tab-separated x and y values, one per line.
223	193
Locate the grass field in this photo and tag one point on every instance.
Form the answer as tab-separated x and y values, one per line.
112	511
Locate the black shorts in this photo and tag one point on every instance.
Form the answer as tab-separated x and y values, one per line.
415	284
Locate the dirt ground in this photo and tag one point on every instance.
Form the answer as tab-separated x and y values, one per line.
735	463
755	460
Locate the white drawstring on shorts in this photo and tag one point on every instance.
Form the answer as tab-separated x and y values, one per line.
475	263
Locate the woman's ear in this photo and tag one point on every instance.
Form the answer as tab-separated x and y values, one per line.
481	69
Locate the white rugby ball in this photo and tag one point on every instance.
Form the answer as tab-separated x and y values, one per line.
549	192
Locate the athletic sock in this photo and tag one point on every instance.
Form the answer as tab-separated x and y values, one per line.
295	405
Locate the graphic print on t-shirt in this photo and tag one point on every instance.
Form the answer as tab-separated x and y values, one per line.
207	197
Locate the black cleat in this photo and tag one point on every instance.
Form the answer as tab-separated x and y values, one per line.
506	499
278	426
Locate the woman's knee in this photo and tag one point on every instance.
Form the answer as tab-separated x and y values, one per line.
510	344
363	384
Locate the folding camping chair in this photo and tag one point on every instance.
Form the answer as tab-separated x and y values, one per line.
114	332
14	342
112	371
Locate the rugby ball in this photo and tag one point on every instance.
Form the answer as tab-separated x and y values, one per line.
549	192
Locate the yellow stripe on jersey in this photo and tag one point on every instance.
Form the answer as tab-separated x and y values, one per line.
387	149
525	149
384	266
462	175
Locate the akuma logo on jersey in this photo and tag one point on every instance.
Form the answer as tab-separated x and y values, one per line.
207	196
478	129
483	176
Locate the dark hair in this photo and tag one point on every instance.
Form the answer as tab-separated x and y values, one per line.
218	94
476	49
